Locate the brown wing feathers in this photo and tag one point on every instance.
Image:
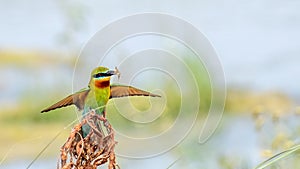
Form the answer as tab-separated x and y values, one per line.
76	98
123	91
63	103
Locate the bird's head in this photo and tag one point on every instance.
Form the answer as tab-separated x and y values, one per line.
100	77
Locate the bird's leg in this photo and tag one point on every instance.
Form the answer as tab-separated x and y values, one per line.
105	122
104	113
103	118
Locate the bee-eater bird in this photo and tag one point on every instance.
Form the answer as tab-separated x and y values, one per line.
98	93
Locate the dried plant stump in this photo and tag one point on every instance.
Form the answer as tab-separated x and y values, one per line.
91	151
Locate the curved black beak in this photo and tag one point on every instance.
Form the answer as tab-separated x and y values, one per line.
110	73
113	72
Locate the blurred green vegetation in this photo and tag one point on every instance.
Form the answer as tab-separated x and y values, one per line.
203	81
28	58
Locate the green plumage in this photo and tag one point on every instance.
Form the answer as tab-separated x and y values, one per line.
97	94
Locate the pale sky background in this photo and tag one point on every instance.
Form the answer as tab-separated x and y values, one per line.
257	41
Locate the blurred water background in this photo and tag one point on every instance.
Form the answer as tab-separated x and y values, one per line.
257	43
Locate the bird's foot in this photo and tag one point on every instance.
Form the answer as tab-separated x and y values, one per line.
107	124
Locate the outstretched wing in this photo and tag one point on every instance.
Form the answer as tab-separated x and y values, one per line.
76	98
116	91
124	91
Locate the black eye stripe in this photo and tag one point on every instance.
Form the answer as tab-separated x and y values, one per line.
99	75
104	74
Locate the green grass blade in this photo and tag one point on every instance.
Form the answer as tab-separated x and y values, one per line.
278	157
